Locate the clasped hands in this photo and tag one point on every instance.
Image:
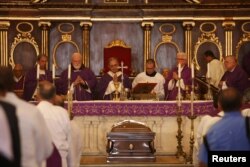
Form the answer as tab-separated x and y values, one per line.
115	79
79	81
175	76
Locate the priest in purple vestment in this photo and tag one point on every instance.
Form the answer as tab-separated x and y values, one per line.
19	80
82	80
36	74
105	88
172	83
235	76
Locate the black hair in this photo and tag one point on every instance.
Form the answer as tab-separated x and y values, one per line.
40	56
209	53
230	100
6	79
150	61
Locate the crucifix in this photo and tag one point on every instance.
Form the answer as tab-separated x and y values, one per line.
122	67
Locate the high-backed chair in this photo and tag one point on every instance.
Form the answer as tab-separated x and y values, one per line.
120	50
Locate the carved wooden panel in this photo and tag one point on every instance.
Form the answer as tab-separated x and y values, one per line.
212	38
166	53
65	39
102	33
24	43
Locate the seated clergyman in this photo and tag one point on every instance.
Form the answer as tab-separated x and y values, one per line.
82	80
106	86
151	76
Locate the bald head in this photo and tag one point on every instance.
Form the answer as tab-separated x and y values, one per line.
230	62
181	58
46	91
76	60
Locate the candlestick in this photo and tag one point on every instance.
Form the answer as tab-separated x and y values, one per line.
69	71
179	70
53	71
192	103
208	71
37	71
192	68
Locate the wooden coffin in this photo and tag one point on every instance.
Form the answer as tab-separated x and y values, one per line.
130	141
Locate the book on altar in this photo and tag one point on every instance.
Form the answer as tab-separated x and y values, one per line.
144	88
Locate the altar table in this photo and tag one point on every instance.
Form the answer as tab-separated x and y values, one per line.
96	118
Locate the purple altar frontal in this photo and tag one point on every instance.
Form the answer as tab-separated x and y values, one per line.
139	108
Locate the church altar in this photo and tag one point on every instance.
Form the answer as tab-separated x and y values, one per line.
96	118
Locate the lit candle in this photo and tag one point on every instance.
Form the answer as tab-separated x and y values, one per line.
192	102
69	71
37	71
208	71
192	69
53	71
179	71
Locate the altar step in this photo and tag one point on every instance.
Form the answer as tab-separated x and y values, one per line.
161	161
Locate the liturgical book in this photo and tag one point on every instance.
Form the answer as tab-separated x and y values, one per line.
144	88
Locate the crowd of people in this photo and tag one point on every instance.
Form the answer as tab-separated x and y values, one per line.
44	134
36	136
82	81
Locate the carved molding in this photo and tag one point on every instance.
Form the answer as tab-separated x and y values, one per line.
228	25
166	39
22	37
65	38
38	1
244	39
117	43
4	25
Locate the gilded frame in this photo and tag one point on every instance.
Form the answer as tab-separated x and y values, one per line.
21	38
56	47
166	39
206	37
244	39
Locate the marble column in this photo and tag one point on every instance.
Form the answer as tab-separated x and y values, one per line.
45	38
147	26
86	27
4	26
188	26
228	27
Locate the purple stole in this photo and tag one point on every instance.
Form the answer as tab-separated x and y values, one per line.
19	87
103	84
237	79
185	75
80	91
30	82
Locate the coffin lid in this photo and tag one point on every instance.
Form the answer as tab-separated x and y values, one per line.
130	126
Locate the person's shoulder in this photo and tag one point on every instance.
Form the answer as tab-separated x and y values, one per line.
60	110
28	106
141	74
160	76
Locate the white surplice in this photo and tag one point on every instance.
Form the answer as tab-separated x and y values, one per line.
216	71
36	142
5	137
158	78
205	124
76	146
58	123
